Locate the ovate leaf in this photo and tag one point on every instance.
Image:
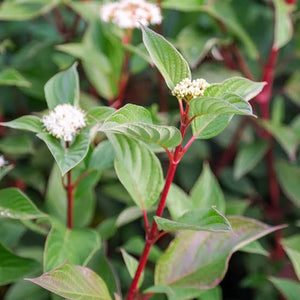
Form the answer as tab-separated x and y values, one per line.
288	176
167	59
196	220
226	104
67	159
74	283
289	288
16	205
63	88
206	192
291	246
138	169
213	117
283	23
200	259
75	246
208	126
164	136
248	157
245	88
130	113
29	123
131	265
13	267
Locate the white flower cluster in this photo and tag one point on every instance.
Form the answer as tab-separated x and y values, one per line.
65	121
3	162
187	89
129	13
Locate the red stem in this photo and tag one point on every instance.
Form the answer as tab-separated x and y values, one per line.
150	238
146	221
70	195
153	235
268	76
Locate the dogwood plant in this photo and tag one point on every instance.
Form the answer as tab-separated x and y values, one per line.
202	237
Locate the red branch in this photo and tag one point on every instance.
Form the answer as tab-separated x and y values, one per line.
268	76
154	235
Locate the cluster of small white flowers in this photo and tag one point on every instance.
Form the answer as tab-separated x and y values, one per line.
3	162
65	121
187	89
129	13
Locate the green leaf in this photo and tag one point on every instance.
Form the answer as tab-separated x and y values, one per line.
63	88
245	88
164	136
29	123
128	215
206	192
285	136
283	23
256	248
73	282
13	267
208	126
226	104
102	157
130	113
131	265
206	254
289	288
278	110
196	220
178	202
291	246
10	232
136	122
138	169
67	159
13	77
16	205
288	176
25	10
96	66
75	246
98	114
167	59
212	123
248	157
